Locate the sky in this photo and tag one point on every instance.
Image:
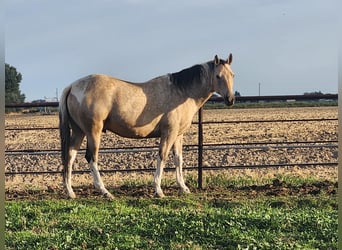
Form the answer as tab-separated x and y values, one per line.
288	47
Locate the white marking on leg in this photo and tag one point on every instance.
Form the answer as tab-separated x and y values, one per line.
97	180
67	180
158	176
178	159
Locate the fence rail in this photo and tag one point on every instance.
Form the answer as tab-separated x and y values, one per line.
200	146
192	147
316	97
208	122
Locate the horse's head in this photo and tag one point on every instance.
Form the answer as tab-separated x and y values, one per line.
224	79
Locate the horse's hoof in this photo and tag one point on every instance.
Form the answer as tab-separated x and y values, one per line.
108	196
159	195
186	191
71	195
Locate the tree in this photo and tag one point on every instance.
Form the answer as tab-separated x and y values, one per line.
12	80
313	93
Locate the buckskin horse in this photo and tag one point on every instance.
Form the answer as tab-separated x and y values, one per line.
162	107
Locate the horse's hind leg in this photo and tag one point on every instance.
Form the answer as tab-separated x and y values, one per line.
75	143
93	145
178	160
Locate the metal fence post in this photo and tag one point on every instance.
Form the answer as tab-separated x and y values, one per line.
200	149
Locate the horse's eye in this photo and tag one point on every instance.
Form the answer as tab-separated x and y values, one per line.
218	77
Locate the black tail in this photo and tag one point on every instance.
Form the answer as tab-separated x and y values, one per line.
64	128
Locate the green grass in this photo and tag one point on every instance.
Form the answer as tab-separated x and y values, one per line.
195	221
225	179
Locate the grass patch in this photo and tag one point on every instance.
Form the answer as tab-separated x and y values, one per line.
223	179
195	221
247	210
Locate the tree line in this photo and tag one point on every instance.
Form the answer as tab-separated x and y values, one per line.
12	85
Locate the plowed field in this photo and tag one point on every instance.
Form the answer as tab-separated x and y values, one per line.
224	133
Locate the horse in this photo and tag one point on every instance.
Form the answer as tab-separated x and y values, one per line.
162	107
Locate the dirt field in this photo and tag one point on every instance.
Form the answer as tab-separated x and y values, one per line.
213	133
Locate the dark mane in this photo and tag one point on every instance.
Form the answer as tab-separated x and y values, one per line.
187	77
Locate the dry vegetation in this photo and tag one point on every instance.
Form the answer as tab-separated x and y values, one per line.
213	133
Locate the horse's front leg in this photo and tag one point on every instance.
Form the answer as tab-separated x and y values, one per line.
178	160
158	176
164	149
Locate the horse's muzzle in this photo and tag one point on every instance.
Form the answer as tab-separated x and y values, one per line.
229	101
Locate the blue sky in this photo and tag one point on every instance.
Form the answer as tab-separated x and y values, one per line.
290	47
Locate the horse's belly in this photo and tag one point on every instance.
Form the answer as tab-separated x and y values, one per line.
135	132
145	133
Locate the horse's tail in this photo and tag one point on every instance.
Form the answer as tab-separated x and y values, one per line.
64	128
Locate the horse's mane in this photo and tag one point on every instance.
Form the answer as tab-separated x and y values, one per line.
185	78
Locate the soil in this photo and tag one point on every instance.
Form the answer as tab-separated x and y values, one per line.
276	189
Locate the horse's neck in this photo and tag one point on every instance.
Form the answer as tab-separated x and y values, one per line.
202	91
200	101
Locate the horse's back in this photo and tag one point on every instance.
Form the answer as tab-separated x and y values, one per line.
129	109
114	104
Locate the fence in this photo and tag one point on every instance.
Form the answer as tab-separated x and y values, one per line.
200	147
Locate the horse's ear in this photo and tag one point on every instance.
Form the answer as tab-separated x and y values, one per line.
230	59
216	60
